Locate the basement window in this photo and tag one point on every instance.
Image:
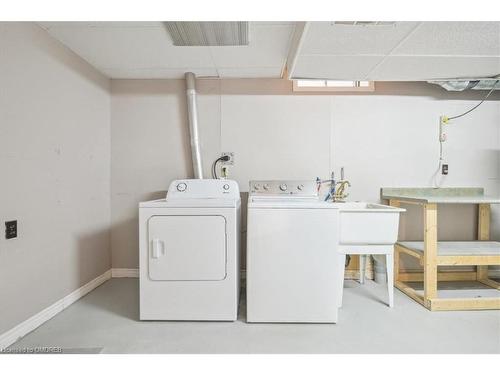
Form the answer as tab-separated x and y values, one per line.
320	85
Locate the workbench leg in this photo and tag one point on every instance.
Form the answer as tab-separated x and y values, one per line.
483	234
395	203
396	263
430	253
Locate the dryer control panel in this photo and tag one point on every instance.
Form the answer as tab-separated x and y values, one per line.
286	188
203	189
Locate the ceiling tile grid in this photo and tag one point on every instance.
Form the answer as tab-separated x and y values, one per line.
145	50
404	51
328	38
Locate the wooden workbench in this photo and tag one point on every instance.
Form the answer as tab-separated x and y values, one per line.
432	253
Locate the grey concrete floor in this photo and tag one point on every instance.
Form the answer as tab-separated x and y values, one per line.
107	318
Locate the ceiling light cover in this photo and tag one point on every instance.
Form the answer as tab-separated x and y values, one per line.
208	33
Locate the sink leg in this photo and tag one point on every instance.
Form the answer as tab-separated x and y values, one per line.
340	292
362	268
389	260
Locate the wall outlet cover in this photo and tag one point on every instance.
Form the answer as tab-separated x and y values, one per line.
10	229
231	158
444	169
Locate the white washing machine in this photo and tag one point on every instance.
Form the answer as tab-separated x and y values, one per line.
189	252
293	270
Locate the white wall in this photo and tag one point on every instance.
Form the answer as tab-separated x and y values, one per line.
66	174
54	163
386	139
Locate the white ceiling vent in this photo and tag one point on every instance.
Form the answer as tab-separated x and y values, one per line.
208	33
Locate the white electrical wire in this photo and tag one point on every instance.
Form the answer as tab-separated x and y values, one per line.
442	122
436	183
477	105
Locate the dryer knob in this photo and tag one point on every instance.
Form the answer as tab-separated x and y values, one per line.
283	187
226	187
181	186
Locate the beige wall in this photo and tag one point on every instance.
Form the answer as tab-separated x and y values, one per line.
388	138
54	163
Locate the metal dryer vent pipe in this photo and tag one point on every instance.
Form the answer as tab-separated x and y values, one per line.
193	124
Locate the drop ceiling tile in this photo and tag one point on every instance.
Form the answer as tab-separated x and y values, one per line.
104	24
253	72
453	38
268	47
158	73
328	38
272	23
130	47
423	68
335	67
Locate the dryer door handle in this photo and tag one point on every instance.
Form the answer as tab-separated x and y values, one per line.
157	248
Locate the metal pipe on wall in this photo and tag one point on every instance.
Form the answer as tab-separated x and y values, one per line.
193	124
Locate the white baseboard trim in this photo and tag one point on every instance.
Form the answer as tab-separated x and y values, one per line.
11	336
124	272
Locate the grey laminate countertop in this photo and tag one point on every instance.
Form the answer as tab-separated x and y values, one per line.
452	195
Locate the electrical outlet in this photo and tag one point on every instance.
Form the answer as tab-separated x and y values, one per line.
10	229
231	158
444	169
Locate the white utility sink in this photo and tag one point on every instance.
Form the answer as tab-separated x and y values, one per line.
363	223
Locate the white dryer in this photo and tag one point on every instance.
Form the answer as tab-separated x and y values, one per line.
189	252
293	271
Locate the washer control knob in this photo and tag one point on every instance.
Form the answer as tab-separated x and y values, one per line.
256	187
225	187
266	186
300	187
283	187
181	186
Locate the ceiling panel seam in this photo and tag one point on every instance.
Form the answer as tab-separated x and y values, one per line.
294	50
377	65
213	61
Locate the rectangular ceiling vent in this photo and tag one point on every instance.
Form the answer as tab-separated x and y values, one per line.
208	33
364	23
